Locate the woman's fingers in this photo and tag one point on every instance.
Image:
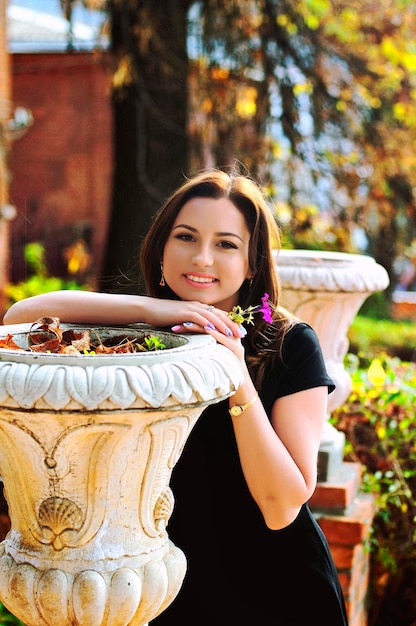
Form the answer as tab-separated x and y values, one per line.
199	317
220	326
229	328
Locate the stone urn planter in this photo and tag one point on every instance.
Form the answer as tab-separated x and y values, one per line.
326	290
87	447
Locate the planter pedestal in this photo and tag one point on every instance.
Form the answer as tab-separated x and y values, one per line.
87	447
326	290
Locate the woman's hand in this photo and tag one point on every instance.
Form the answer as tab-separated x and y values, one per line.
200	318
231	342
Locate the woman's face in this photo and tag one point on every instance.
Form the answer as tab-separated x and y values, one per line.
206	254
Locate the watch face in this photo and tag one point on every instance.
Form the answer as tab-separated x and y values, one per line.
236	410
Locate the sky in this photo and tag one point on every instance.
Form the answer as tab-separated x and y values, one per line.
40	24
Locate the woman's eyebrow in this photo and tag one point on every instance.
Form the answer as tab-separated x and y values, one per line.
194	230
225	234
219	234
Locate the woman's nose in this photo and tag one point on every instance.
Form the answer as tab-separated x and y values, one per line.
203	256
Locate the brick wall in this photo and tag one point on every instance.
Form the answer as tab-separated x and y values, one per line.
62	167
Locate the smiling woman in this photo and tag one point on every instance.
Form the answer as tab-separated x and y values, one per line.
250	464
202	263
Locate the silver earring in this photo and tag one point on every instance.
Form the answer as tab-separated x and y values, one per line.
162	282
250	282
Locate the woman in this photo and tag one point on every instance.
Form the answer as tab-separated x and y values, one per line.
255	553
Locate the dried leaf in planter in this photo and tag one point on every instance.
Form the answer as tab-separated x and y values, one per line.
50	345
50	324
80	342
45	335
69	350
9	343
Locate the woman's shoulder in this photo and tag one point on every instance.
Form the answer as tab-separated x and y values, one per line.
298	330
301	345
302	363
291	329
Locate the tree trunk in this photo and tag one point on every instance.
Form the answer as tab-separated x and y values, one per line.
150	126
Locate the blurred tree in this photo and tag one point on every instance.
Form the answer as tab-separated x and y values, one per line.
316	97
148	44
375	88
336	117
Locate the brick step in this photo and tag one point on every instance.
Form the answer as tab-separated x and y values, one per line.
345	516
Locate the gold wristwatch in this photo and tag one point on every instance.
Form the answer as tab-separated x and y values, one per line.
237	409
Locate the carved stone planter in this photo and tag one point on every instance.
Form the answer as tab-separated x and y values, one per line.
326	290
87	447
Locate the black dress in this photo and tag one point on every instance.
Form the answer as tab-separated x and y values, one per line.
241	573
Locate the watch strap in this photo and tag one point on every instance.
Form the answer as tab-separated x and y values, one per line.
237	409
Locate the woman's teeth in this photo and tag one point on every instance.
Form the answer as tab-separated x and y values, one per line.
200	279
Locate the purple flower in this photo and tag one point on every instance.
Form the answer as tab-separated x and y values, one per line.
265	310
241	316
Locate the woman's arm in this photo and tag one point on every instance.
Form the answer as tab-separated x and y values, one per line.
87	307
278	456
76	307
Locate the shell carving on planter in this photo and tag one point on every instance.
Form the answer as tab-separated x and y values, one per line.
87	447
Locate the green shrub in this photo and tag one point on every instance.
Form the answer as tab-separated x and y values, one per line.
379	422
370	336
38	281
35	285
377	306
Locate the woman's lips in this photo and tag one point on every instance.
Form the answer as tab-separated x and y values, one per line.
200	281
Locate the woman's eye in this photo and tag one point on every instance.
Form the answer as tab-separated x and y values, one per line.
184	237
227	244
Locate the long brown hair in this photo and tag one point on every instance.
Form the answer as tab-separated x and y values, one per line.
248	197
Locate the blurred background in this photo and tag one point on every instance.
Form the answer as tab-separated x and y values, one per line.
105	105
